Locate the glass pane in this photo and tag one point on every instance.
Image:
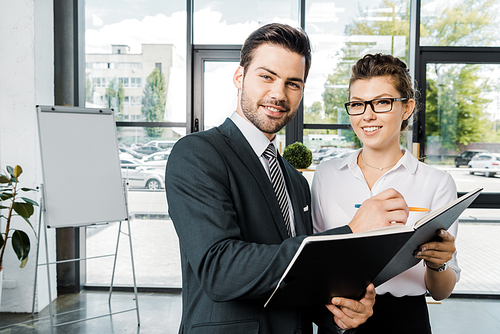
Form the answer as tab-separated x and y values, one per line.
462	115
143	155
231	21
459	23
462	118
220	96
478	234
155	246
330	144
341	33
135	59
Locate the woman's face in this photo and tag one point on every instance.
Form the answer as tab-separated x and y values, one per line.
379	131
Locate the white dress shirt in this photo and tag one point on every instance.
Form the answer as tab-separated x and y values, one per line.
259	142
339	184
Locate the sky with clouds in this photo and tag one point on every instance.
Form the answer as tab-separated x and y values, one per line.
133	22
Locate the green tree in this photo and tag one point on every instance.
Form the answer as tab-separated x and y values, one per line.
115	95
393	22
454	111
153	101
460	24
460	117
455	107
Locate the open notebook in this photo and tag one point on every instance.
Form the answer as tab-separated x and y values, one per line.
344	265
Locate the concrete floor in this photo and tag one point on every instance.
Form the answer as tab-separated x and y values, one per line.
160	313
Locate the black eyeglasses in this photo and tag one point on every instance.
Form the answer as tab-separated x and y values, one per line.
378	105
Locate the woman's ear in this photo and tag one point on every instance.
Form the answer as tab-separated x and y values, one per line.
238	77
409	109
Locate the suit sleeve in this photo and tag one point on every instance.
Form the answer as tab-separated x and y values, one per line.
201	206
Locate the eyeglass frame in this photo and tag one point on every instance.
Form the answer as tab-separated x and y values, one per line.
392	99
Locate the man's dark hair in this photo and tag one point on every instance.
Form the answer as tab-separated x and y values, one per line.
291	39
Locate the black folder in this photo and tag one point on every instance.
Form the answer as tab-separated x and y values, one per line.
344	265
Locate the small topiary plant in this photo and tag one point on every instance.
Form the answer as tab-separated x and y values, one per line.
298	155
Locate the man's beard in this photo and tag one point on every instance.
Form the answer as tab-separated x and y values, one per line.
261	121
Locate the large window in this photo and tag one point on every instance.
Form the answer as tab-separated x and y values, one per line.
231	21
457	70
138	62
342	32
459	23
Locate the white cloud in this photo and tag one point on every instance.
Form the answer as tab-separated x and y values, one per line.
132	32
210	29
96	21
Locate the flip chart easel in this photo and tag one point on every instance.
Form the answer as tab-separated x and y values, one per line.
82	181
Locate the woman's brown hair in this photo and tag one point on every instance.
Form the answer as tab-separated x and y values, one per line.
380	65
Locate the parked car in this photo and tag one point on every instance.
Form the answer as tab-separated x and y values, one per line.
486	161
324	153
156	160
320	151
331	154
125	150
161	144
139	176
464	158
129	162
339	155
147	150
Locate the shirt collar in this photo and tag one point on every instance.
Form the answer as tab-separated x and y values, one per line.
257	140
407	161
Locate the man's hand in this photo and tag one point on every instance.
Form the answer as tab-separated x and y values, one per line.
348	313
382	210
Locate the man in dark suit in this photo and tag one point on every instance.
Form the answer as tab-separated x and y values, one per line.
236	236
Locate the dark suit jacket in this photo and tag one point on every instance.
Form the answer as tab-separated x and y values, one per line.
233	241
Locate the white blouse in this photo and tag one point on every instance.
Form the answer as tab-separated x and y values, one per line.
339	184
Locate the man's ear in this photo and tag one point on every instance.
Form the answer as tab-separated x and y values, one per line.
238	77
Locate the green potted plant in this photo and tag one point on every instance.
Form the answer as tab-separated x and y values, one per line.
16	206
298	155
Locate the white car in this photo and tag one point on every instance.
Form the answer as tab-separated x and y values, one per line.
156	160
338	155
139	176
489	161
161	144
323	153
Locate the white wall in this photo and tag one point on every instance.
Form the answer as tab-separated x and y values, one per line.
26	80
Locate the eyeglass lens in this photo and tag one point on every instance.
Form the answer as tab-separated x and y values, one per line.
379	105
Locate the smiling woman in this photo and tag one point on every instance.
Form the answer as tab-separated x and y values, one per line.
381	99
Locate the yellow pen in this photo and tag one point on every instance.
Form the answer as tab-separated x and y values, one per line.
412	208
415	209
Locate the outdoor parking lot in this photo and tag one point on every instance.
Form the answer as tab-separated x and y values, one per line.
156	249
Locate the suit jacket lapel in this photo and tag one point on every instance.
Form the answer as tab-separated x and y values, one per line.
244	151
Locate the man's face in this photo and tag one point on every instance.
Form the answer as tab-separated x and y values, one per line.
271	88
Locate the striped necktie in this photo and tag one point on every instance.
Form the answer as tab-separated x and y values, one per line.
278	185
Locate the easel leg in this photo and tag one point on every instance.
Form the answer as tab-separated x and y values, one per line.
114	262
133	272
37	255
125	192
51	312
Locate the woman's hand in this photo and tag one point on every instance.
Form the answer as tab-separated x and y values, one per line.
437	253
